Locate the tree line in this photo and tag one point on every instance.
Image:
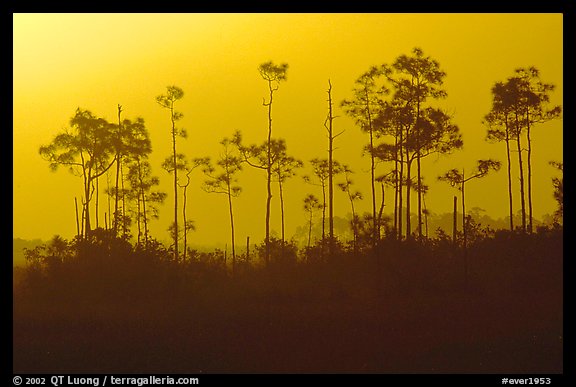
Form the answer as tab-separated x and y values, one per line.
393	104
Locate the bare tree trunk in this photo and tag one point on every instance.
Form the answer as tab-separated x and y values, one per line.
281	208
455	220
465	232
408	189
118	163
83	219
372	170
509	165
124	225
96	202
175	166
144	217
87	195
138	216
77	221
380	212
232	230
520	163
354	224
108	199
269	173
529	172
400	184
247	249
330	170
396	187
464	212
310	229
323	211
375	230
184	225
425	215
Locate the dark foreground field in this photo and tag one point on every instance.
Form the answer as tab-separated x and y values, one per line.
402	310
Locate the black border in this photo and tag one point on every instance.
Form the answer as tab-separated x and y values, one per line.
566	7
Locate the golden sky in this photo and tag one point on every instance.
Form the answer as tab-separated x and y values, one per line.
96	61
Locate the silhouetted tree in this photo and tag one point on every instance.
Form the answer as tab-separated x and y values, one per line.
394	120
167	101
133	147
519	104
458	179
436	135
284	168
415	79
534	96
321	170
224	182
311	204
141	183
364	108
261	157
186	169
329	125
346	186
118	144
273	75
499	122
87	150
558	184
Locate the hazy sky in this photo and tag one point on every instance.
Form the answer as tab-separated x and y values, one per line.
96	61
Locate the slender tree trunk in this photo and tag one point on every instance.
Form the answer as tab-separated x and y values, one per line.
310	229
520	163
118	163
464	231
400	185
396	186
418	169
408	189
269	173
375	230
381	210
354	225
281	208
139	216
323	211
247	249
108	199
82	236
77	221
87	195
330	170
509	167
425	216
455	220
529	171
124	220
184	220
142	203
97	201
144	218
175	165
268	202
232	231
372	170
